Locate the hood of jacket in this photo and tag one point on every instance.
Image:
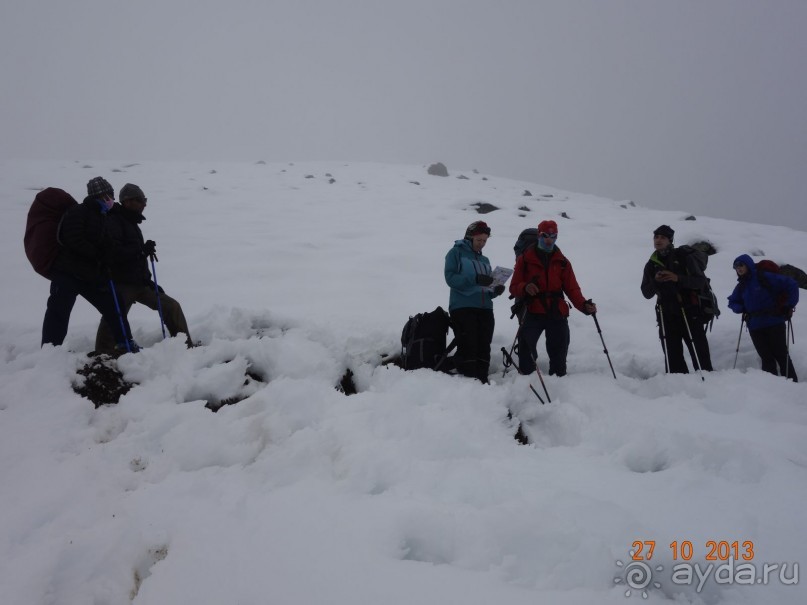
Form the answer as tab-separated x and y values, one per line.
748	262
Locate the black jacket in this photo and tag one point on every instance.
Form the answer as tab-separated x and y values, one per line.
687	263
129	264
86	243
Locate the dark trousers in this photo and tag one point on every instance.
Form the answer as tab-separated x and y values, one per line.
473	330
557	342
128	294
64	289
674	336
771	345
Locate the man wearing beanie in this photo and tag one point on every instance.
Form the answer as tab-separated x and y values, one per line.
130	271
542	276
676	278
81	268
467	272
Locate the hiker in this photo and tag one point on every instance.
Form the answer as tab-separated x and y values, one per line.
468	274
541	277
676	278
767	303
81	268
130	270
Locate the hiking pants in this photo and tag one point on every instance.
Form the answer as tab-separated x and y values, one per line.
771	345
128	294
473	330
675	331
557	342
64	289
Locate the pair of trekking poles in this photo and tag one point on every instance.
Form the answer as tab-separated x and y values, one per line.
790	335
508	356
128	339
693	351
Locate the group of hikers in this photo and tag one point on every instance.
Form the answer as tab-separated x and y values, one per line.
543	278
103	257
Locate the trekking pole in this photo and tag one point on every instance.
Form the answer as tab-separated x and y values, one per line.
788	336
693	349
120	317
510	362
737	352
507	358
660	315
153	257
604	348
540	377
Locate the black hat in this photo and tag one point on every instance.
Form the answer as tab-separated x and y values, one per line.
99	187
477	228
666	231
131	192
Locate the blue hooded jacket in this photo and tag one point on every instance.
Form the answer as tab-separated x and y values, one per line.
759	302
461	268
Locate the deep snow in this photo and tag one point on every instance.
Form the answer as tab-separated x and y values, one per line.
412	490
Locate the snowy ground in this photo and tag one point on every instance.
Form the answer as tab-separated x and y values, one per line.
412	490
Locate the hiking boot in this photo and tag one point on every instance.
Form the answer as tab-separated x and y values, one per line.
121	348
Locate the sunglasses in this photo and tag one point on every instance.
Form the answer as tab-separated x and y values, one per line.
738	265
549	235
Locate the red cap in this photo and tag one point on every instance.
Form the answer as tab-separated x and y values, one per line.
550	227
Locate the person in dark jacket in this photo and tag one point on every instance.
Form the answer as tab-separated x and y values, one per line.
675	277
130	269
542	276
767	302
81	268
467	272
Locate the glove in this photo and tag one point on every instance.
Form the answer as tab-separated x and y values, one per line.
788	312
498	290
589	307
153	286
484	280
149	247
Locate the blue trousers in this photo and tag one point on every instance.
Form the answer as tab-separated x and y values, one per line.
557	342
64	289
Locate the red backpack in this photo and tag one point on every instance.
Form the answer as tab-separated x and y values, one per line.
42	227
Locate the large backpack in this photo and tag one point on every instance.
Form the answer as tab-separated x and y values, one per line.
423	340
41	228
526	238
768	266
706	299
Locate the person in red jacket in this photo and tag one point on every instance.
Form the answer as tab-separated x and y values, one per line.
543	275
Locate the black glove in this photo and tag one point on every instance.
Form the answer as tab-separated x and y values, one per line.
498	290
484	280
154	286
787	312
149	247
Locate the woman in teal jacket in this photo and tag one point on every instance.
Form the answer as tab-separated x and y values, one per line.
468	274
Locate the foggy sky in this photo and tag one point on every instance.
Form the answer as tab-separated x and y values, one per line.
692	105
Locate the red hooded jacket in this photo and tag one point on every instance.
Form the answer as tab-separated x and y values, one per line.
553	280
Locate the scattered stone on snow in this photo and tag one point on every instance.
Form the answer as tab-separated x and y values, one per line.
438	169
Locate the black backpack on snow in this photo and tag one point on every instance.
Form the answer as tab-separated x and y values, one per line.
423	340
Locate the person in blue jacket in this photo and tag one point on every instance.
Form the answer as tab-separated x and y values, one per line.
470	304
761	300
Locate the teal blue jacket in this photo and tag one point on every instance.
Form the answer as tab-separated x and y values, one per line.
461	268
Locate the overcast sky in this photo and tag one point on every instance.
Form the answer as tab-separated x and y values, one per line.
698	105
